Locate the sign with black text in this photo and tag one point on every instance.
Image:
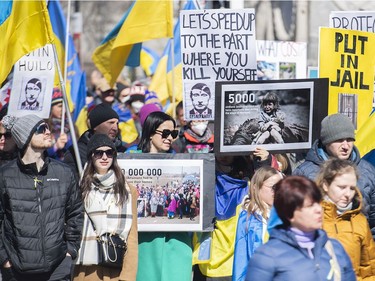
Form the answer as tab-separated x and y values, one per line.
175	192
216	45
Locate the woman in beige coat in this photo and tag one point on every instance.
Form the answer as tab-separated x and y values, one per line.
110	207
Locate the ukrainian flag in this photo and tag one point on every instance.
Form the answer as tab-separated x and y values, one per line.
145	20
161	82
149	60
214	252
76	80
24	27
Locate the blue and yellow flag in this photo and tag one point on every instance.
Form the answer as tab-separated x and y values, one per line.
145	20
149	60
76	80
161	82
24	27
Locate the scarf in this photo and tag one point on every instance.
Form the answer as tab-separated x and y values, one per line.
305	240
103	215
340	210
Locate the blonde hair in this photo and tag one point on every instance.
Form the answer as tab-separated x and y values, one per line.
255	202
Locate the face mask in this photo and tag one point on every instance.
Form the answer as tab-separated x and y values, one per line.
137	105
199	128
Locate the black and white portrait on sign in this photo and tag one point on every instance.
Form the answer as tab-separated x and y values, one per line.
33	90
276	115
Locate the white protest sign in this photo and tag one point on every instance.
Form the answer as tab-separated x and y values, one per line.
216	45
33	83
354	20
281	60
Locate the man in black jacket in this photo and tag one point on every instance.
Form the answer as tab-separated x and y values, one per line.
41	211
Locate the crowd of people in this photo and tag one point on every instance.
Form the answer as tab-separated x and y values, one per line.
276	218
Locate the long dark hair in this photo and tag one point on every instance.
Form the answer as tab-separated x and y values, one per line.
152	122
119	187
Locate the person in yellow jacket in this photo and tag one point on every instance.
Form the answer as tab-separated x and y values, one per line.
343	219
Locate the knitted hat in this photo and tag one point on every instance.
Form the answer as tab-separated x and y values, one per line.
146	110
336	127
99	140
56	96
101	113
22	128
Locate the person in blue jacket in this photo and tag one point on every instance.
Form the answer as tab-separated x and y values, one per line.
298	249
252	221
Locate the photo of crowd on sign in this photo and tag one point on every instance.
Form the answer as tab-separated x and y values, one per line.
169	193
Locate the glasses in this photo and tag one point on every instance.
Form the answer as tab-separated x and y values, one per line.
98	154
41	129
6	135
165	133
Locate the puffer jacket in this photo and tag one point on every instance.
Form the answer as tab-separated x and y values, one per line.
366	181
281	258
41	215
352	230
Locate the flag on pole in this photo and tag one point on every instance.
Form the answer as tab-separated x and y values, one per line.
75	76
24	27
144	20
161	82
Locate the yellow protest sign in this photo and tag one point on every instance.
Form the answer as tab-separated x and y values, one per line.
347	58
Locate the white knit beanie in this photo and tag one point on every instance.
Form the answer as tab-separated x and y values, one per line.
22	128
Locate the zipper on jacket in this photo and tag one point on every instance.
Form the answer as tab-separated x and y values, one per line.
38	186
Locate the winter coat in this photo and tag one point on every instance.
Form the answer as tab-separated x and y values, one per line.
366	181
128	271
352	230
281	258
249	236
190	142
41	215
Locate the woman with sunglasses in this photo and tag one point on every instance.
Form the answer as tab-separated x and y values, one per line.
110	207
163	256
158	133
8	147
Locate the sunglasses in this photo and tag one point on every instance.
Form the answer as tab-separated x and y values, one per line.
98	154
41	129
7	135
165	133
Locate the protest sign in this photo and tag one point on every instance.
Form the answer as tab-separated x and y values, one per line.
248	119
33	83
347	58
216	45
167	184
281	60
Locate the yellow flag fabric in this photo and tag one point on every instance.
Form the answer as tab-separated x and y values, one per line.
24	27
347	58
145	20
364	139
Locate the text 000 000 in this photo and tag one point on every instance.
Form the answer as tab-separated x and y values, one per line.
141	172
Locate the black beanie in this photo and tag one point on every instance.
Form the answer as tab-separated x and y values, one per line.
99	140
101	113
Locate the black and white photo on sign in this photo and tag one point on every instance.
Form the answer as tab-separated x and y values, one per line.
216	45
33	96
274	115
169	193
199	101
33	81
